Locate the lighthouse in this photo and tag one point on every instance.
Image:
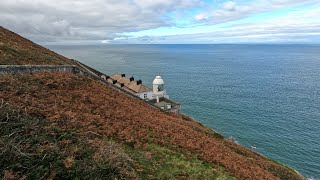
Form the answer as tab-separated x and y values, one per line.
156	95
158	88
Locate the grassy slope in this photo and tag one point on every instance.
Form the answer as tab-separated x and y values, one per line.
147	132
33	148
15	49
61	124
38	144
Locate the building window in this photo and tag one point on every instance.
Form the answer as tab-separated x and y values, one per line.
160	87
144	96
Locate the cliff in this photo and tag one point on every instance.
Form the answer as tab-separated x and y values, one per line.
65	125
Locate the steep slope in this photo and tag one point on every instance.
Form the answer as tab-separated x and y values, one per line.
33	148
76	101
17	50
67	126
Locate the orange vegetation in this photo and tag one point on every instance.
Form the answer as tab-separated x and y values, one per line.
63	97
16	50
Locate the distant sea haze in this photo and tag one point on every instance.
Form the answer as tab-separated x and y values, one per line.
262	95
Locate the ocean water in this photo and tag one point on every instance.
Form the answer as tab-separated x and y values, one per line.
267	95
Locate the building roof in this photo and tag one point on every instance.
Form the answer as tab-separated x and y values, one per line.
130	86
120	79
138	88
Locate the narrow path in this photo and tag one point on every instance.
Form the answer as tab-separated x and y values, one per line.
85	68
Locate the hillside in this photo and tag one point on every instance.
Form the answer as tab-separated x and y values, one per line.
15	49
75	102
63	125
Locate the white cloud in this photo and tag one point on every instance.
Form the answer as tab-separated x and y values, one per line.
229	6
200	17
231	10
296	27
105	41
103	20
85	20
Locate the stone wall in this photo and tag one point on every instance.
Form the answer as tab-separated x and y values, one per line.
16	69
29	69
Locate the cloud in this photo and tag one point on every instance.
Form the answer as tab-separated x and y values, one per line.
200	17
106	21
229	6
230	10
86	20
295	27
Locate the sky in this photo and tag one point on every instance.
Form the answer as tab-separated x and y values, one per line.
163	21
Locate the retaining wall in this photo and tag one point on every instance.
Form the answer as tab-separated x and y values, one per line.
16	69
29	69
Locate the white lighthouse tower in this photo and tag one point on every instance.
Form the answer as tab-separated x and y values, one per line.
158	88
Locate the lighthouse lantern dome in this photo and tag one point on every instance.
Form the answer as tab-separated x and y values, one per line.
158	80
158	86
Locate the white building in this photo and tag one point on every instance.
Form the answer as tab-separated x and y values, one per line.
137	88
132	86
158	88
156	96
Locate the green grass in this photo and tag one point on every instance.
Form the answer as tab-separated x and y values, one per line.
158	162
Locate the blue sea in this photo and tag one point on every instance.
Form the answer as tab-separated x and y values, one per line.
266	95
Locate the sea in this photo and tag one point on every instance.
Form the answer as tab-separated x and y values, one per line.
267	96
